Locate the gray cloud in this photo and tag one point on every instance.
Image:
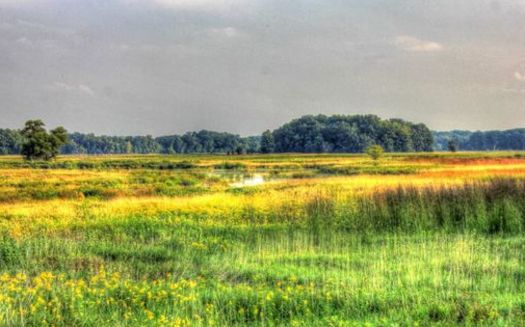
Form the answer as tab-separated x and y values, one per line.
168	66
81	89
410	43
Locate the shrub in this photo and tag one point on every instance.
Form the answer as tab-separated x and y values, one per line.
375	152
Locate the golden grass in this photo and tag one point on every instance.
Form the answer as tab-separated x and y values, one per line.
246	263
23	217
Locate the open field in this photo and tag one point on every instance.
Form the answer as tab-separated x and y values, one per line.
276	240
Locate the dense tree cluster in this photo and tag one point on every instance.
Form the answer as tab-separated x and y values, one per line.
10	141
513	139
192	142
267	142
346	134
92	144
351	134
306	134
203	142
38	143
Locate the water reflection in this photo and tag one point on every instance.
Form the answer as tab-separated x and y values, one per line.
253	180
242	179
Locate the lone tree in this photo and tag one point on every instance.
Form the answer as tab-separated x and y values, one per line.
375	152
267	142
453	145
39	144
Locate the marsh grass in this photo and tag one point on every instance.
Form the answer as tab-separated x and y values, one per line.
162	247
489	207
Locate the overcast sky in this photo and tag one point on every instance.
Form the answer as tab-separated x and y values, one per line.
168	66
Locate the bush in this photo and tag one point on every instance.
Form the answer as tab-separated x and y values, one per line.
375	152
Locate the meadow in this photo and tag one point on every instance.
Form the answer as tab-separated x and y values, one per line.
263	240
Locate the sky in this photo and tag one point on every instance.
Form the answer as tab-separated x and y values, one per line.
159	67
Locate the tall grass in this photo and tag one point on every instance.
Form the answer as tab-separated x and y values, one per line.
146	247
489	207
344	279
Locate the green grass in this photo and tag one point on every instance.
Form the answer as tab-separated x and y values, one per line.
278	277
406	256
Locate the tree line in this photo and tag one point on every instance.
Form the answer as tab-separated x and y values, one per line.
308	134
347	134
513	139
11	142
192	142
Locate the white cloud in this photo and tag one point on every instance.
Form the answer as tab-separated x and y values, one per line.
228	32
519	76
80	88
86	90
62	86
410	43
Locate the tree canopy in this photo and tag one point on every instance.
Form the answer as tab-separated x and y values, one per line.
375	152
267	142
38	144
352	134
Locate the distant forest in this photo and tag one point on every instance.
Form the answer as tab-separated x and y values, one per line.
308	134
191	142
512	139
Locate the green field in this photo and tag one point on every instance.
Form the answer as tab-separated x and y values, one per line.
278	240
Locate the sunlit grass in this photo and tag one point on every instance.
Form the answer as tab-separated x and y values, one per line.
327	240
